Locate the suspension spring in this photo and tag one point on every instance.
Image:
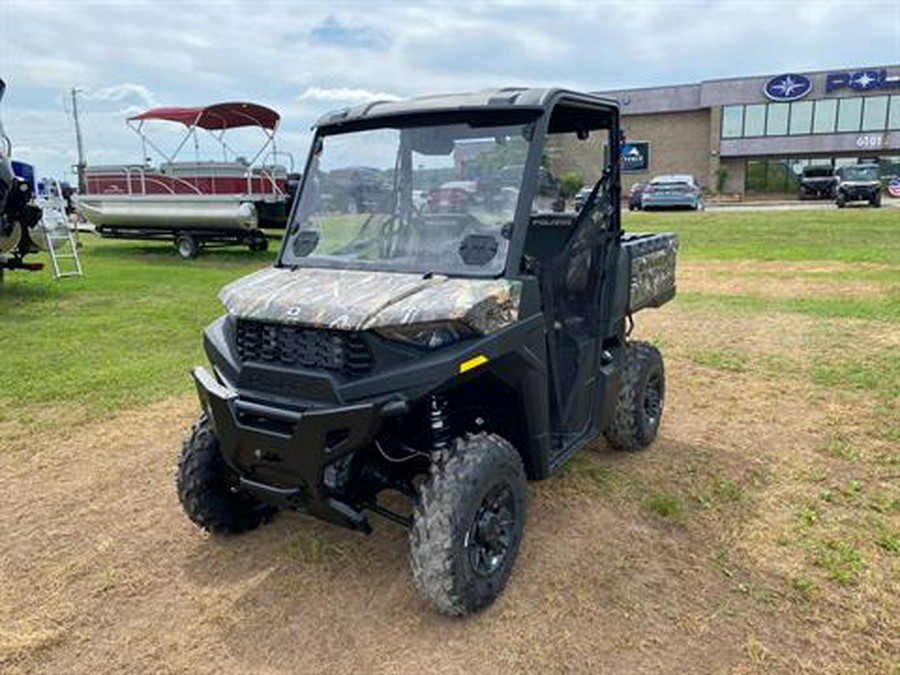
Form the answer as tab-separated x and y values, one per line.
439	425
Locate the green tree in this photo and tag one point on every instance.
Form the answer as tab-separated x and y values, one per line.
570	183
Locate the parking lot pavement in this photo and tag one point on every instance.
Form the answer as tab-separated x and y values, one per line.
795	205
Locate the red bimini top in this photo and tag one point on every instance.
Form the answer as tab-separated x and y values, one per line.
218	116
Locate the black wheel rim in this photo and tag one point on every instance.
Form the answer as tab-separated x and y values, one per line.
490	536
653	399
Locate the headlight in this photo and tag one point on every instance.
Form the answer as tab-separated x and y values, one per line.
427	335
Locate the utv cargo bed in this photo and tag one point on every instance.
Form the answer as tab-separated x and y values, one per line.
651	268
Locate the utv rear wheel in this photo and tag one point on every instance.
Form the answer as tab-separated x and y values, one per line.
468	524
206	487
642	394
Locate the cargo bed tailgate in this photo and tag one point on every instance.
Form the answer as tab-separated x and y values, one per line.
651	265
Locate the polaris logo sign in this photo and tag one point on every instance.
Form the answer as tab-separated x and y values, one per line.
792	86
789	87
635	156
864	80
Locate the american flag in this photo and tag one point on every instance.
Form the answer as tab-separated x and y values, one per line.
894	187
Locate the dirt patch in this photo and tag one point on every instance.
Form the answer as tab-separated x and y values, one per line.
102	571
743	266
744	279
755	536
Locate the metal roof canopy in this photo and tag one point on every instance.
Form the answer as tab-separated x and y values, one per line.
498	100
219	116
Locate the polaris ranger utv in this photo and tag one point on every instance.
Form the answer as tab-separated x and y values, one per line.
858	183
445	356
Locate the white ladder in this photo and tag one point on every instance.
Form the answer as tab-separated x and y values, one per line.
61	243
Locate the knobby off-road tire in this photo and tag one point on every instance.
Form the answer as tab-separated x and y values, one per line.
478	494
642	394
205	489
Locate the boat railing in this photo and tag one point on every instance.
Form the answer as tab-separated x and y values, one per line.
138	178
142	177
156	181
266	174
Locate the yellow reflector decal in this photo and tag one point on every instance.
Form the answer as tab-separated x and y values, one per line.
474	362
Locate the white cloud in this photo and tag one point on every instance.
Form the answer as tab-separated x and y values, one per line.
344	95
305	59
121	92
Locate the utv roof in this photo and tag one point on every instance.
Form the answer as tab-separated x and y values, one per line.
509	98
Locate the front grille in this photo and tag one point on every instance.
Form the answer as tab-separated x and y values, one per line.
280	344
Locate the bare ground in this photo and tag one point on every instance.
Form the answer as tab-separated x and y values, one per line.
782	279
708	553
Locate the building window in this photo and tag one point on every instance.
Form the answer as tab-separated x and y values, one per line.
755	176
801	117
755	120
874	113
825	117
732	121
849	114
894	113
777	119
772	176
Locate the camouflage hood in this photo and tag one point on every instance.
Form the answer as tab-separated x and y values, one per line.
357	300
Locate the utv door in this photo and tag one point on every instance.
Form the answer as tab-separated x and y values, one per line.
572	286
574	256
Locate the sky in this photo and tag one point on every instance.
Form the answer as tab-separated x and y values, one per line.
305	58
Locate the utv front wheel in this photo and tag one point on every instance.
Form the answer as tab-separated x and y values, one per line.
206	487
468	525
642	393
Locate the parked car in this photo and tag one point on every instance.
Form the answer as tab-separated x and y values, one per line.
453	196
672	192
635	194
355	190
419	199
858	183
817	182
581	196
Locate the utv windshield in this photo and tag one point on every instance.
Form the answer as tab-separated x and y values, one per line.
859	173
437	198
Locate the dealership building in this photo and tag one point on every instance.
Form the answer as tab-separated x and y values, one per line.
752	136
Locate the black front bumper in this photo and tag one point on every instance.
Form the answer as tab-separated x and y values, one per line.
860	194
281	455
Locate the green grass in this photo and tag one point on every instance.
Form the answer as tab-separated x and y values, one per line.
853	236
878	373
882	308
840	560
665	504
127	334
124	335
727	360
312	547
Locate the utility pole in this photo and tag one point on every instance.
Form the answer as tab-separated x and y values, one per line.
82	164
